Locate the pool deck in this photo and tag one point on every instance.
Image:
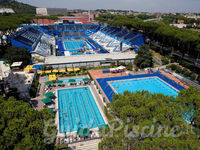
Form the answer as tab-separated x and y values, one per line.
95	74
172	77
62	135
38	100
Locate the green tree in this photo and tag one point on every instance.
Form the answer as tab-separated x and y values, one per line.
144	58
189	99
22	127
15	54
149	121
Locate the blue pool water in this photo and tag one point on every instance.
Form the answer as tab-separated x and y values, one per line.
75	45
153	85
67	80
77	108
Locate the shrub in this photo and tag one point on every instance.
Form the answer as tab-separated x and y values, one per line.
33	89
185	71
193	76
129	66
173	66
165	61
178	69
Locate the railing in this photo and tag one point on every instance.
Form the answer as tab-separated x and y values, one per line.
190	83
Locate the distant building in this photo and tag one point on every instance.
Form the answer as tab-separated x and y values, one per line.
180	21
6	10
179	25
51	11
192	16
41	11
83	18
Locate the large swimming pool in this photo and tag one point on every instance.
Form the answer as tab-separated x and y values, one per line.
153	85
75	45
77	108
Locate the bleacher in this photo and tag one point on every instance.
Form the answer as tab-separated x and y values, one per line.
128	37
44	46
102	39
109	43
70	27
29	37
75	34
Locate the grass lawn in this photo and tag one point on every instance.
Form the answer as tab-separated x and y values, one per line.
156	54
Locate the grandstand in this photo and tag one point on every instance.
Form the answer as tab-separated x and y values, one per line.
76	39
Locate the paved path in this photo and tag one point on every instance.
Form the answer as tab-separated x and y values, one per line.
85	145
98	98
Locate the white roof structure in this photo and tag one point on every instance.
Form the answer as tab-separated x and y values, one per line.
41	11
89	58
6	10
121	67
16	64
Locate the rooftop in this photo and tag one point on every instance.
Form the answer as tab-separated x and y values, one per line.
16	64
89	58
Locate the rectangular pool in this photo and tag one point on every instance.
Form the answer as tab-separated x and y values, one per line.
77	108
75	45
76	79
152	85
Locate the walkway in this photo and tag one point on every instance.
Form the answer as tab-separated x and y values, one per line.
85	145
172	77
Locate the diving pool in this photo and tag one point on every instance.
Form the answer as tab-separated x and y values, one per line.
76	79
152	85
78	109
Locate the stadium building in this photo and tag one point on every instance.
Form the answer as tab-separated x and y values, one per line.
67	44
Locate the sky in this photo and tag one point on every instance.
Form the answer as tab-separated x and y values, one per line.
135	5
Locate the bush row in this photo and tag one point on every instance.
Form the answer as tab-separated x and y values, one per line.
184	71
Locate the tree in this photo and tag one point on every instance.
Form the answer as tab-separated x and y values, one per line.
144	58
129	66
148	121
22	127
189	99
15	54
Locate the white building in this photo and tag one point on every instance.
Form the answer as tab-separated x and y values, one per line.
6	10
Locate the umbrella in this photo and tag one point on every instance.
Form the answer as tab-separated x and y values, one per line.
49	94
62	71
46	100
83	131
52	77
48	82
72	80
86	79
48	71
76	69
103	126
59	81
40	72
55	71
69	70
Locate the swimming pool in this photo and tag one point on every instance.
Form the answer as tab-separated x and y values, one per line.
77	108
67	80
75	45
153	85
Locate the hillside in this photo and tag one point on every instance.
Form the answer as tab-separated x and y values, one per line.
18	7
